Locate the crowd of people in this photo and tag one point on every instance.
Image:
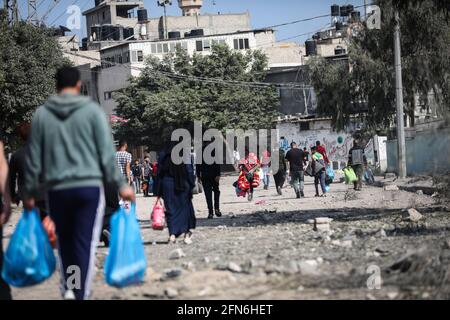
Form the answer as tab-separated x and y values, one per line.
69	170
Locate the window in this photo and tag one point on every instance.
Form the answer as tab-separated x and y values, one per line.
172	47
199	45
153	47
165	47
127	57
222	41
107	95
304	126
184	45
241	44
133	56
140	56
159	47
246	44
119	58
206	45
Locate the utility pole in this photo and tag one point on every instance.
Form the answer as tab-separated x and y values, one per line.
32	12
401	145
11	11
164	3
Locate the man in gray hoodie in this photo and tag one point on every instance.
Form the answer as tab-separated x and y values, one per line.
71	156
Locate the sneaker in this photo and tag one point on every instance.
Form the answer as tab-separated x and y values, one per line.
266	187
298	194
302	194
210	215
250	197
317	195
188	238
69	295
218	213
105	238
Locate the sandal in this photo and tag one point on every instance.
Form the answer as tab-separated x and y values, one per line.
172	239
188	238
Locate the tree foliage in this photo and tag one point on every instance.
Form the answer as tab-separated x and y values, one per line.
29	57
366	85
166	96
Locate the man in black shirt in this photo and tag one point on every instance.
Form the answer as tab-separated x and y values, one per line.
209	175
296	159
357	160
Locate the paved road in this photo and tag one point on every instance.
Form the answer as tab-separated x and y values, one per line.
274	253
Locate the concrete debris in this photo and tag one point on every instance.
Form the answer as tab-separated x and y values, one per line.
171	293
391	187
176	254
419	192
234	267
308	267
414	215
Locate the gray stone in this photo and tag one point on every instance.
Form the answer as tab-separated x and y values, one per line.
390	176
188	265
414	215
322	220
176	254
234	267
419	192
206	260
391	187
381	233
308	267
171	293
322	227
171	274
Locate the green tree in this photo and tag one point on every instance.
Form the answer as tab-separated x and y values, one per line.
369	77
29	57
168	94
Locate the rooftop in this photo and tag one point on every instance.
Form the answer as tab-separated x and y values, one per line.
122	43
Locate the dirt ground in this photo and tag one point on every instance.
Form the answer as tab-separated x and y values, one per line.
267	249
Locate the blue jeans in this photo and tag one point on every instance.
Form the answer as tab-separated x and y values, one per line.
298	181
320	178
266	177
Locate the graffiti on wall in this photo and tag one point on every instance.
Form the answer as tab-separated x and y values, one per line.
338	145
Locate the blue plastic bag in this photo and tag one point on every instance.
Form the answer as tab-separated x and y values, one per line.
330	172
29	259
327	188
126	262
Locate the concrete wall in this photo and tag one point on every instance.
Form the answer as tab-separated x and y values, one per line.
211	24
428	152
285	54
109	80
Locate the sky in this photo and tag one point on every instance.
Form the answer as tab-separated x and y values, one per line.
263	13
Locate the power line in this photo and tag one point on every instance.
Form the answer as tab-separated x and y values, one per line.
63	13
254	84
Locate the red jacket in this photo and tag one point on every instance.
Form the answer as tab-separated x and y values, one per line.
323	152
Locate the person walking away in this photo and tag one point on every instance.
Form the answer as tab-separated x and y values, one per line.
71	155
5	212
318	169
280	176
209	175
147	174
357	160
174	184
249	177
136	170
265	167
236	159
17	172
321	149
296	160
123	158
